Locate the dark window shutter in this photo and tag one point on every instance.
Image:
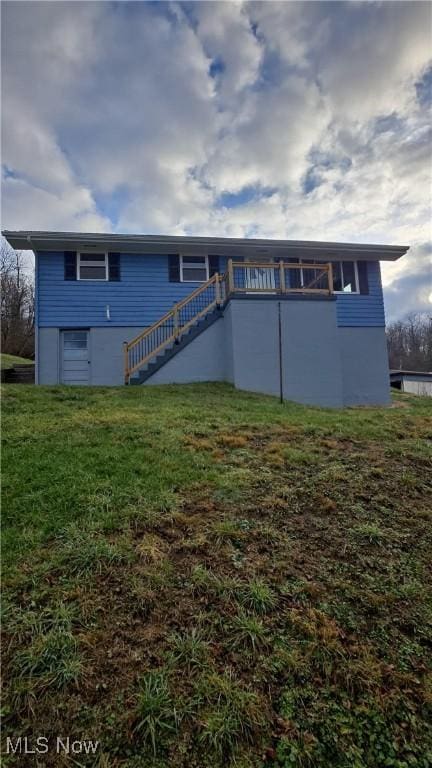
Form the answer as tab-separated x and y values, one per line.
174	268
213	265
70	265
114	266
362	268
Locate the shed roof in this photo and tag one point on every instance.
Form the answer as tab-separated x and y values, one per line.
395	374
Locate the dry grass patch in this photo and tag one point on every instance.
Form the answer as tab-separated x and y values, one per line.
151	548
233	441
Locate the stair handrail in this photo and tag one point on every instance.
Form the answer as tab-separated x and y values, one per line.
178	329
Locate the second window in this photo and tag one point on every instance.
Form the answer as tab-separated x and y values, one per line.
194	269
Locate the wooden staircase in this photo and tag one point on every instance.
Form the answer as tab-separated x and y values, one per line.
167	333
157	362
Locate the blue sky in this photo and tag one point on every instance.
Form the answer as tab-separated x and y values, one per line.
287	120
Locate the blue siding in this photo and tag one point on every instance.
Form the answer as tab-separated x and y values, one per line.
144	294
363	311
141	297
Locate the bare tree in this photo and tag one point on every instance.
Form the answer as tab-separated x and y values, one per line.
410	343
17	303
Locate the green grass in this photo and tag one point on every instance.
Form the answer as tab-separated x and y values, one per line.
248	632
156	713
258	596
189	650
8	361
83	552
230	715
196	576
53	658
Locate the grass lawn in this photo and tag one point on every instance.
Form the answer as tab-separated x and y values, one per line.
8	361
198	577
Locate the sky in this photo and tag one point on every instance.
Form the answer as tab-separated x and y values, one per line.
296	120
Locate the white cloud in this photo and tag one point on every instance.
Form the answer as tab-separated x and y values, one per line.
113	120
71	210
226	35
271	139
366	56
408	287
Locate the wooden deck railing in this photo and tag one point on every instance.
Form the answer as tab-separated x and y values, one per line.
280	277
240	277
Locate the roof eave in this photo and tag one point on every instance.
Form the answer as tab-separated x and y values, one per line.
55	241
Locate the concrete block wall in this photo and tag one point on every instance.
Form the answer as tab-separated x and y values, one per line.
365	371
321	363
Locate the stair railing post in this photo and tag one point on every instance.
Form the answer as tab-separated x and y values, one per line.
330	277
176	321
282	276
217	289
230	277
126	361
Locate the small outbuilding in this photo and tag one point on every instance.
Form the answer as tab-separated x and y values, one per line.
413	382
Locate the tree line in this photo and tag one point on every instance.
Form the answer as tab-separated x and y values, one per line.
409	343
17	304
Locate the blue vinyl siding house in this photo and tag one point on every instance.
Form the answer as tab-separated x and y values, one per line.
304	320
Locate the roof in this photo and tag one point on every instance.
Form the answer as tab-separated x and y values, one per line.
394	374
223	246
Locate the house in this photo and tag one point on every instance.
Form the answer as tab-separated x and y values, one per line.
300	320
412	382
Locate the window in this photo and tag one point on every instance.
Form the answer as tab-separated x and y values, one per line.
75	339
345	276
194	269
92	266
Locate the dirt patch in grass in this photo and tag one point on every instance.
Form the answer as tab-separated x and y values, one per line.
277	612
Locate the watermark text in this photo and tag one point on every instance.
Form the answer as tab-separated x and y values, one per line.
60	745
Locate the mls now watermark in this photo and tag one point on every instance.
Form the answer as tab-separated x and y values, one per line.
22	745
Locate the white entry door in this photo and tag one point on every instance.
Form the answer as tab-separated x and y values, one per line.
75	357
260	278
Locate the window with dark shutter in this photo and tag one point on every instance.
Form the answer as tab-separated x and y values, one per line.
114	267
92	266
174	268
194	269
70	265
362	270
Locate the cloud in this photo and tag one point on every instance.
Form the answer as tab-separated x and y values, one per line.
290	120
73	209
226	35
410	290
365	56
269	144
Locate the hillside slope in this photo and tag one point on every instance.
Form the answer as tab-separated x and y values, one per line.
8	361
198	577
